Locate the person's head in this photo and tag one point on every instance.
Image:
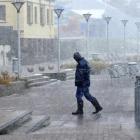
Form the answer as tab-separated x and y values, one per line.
77	56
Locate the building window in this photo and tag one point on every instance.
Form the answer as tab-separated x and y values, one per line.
42	15
51	17
48	16
2	12
30	13
35	10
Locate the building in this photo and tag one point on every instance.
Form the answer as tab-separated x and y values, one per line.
37	29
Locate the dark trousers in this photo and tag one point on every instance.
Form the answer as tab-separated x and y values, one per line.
84	91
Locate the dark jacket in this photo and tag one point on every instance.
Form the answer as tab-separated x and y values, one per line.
82	74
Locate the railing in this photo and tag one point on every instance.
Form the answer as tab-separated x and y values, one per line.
121	70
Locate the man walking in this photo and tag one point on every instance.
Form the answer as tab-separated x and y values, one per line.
82	82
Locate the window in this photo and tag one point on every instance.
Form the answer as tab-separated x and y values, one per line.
2	12
30	13
51	17
42	15
35	18
48	16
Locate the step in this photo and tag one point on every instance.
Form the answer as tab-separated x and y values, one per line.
67	70
34	76
36	123
41	83
70	77
9	120
42	78
71	74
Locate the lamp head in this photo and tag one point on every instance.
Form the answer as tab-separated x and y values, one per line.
107	19
87	16
124	22
58	11
18	4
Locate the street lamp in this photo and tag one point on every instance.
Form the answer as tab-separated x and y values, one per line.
58	12
87	17
124	22
138	31
18	4
107	19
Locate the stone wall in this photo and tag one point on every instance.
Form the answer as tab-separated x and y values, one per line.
36	50
59	76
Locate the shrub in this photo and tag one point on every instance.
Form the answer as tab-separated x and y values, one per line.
97	66
133	58
68	66
5	78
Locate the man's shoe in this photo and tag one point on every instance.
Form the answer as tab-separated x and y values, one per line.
79	109
98	110
97	106
77	113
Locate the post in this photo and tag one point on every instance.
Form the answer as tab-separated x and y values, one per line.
19	47
18	4
87	17
4	57
124	42
87	35
107	19
58	46
107	38
58	12
138	31
137	45
137	101
15	65
124	22
108	46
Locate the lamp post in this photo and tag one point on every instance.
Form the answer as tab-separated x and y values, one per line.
58	12
18	4
124	22
138	35
87	17
107	19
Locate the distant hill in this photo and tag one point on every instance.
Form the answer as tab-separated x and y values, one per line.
67	4
131	7
109	10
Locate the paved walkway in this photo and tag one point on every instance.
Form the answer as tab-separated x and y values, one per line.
116	122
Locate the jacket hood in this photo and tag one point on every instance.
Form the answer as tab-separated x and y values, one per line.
77	56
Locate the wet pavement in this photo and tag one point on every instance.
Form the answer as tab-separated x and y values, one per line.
115	122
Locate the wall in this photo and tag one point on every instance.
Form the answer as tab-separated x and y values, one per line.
33	30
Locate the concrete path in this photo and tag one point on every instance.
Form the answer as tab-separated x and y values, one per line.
115	122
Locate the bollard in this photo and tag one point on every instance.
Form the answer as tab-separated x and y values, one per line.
137	101
15	65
